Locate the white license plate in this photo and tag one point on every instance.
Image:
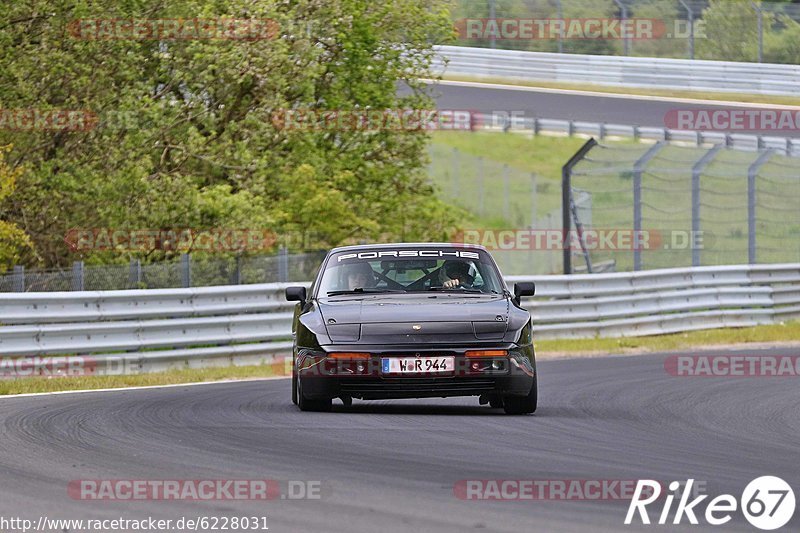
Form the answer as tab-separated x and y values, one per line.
417	365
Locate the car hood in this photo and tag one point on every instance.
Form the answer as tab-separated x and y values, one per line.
429	319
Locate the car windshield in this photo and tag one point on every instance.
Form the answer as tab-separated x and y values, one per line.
392	271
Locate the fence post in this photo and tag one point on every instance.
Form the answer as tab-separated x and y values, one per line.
18	279
186	270
77	276
455	173
492	17
480	185
560	8
135	272
506	192
752	173
697	170
566	199
533	200
690	13
238	273
760	17
626	39
283	265
638	169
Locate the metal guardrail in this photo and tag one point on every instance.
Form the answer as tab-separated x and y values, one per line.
155	330
634	72
737	141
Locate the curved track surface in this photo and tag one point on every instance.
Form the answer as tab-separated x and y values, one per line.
649	112
391	466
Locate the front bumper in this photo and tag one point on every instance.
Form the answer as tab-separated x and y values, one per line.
323	377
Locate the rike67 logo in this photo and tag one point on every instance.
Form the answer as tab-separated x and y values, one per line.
768	503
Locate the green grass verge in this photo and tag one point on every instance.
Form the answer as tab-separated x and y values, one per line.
697	95
740	337
171	377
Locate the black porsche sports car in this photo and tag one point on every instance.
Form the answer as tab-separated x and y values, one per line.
412	321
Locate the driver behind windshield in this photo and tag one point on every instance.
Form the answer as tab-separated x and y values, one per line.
454	274
359	276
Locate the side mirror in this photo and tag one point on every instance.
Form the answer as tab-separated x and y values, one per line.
524	288
296	294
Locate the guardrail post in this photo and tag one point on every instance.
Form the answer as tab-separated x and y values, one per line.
752	173
77	276
186	270
571	128
283	264
18	279
536	126
638	169
566	199
697	170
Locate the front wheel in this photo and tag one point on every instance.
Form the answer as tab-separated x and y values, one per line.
522	405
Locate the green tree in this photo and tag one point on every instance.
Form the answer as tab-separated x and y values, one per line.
731	31
14	243
185	136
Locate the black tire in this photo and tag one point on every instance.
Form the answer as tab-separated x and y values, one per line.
306	404
522	405
294	386
495	402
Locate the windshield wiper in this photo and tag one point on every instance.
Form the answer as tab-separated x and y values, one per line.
363	290
456	289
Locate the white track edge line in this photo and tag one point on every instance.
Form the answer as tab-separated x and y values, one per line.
143	387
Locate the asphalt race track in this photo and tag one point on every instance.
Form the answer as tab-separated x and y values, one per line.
392	465
564	106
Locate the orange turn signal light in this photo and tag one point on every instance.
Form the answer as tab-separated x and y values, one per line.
486	353
349	355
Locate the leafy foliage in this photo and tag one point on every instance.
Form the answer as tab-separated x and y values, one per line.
185	136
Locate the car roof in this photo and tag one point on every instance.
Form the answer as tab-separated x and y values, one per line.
408	245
